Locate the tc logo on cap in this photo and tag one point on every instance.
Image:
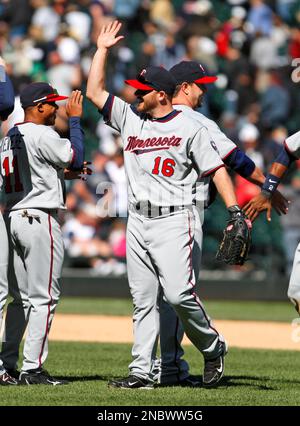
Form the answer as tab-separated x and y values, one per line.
142	73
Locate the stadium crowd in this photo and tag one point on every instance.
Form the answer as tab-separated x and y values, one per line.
252	46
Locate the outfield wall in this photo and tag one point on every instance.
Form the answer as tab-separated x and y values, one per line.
229	285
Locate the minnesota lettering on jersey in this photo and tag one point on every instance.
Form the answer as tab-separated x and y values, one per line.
161	142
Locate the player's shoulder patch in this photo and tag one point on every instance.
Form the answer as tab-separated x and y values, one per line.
214	146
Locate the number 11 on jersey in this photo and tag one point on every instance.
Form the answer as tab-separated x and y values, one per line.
9	166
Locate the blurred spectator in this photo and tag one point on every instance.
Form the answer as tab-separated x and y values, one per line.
79	24
249	137
81	237
17	13
45	19
275	102
259	17
273	144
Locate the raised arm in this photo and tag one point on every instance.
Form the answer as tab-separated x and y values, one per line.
96	80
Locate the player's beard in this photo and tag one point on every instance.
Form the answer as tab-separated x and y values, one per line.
145	103
51	120
200	101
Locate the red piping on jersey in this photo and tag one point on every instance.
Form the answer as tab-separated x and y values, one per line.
49	290
287	148
193	284
212	171
230	152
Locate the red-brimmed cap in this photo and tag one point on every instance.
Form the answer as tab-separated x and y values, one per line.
191	72
35	93
154	78
138	85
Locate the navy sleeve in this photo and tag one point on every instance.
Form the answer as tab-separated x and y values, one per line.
76	138
7	97
106	110
240	162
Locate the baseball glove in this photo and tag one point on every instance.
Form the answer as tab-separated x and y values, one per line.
235	245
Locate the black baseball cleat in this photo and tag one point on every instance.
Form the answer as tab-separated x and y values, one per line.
214	369
131	382
39	377
190	381
7	380
13	373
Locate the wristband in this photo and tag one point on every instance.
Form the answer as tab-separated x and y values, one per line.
270	184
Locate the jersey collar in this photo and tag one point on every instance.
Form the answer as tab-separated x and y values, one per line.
167	117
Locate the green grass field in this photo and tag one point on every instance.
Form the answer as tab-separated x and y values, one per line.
234	310
252	377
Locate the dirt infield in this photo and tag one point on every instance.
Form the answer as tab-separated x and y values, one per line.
242	334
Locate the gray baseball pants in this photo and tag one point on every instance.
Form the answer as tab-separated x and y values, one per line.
159	257
35	262
173	367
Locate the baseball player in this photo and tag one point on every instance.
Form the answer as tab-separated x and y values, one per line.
33	158
191	82
263	201
7	100
164	153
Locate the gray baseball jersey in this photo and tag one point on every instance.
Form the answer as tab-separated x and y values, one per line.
33	158
173	367
219	142
163	159
292	144
32	161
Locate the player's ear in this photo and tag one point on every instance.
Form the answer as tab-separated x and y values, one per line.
40	107
185	88
162	96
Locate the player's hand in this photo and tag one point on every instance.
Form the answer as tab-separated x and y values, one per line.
108	35
78	174
280	203
257	205
74	104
